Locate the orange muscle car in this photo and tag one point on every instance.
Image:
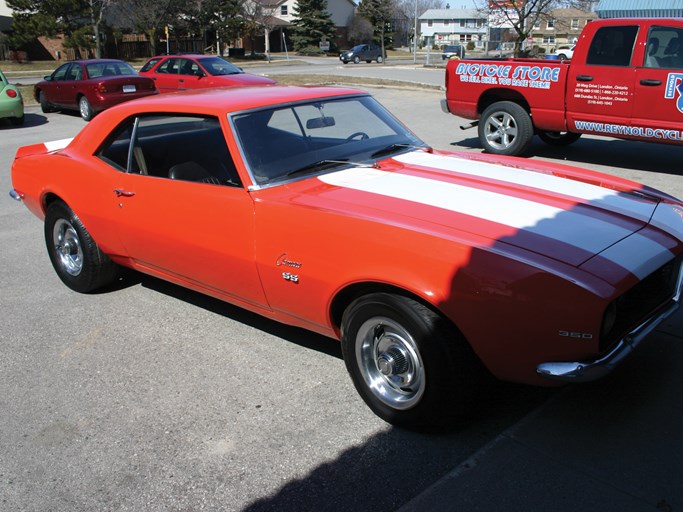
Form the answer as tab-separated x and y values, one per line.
314	206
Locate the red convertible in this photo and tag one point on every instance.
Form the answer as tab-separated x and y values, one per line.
90	86
316	207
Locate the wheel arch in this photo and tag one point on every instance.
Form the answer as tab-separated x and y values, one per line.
348	294
495	95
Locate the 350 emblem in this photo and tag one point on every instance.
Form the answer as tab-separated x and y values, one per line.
290	277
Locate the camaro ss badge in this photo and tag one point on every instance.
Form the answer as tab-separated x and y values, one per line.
282	260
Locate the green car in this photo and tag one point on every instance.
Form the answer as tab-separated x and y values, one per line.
11	102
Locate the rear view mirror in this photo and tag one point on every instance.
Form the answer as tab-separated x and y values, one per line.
320	122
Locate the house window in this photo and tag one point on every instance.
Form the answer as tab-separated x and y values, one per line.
429	23
537	25
463	23
446	22
283	10
550	23
548	39
575	24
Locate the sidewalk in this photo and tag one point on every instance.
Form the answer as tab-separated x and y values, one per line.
612	445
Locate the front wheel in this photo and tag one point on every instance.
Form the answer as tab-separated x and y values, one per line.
75	256
559	138
356	60
84	107
410	366
505	128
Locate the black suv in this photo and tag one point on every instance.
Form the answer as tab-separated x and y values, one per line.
366	52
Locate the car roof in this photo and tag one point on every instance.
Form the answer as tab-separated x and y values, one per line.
223	100
92	61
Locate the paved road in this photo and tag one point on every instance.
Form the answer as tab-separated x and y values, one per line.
150	397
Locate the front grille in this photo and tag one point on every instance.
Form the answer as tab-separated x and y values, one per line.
641	301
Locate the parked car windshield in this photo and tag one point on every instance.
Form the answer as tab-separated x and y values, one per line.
218	66
285	143
98	69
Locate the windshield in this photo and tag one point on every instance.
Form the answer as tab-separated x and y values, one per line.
280	144
218	66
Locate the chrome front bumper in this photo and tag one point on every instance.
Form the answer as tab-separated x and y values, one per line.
587	371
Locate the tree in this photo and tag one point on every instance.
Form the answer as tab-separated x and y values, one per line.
34	18
150	16
379	13
360	30
222	17
312	24
522	15
259	20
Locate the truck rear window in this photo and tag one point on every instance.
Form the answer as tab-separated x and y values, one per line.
612	46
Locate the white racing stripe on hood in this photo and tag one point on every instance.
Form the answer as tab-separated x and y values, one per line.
669	218
640	255
567	226
619	202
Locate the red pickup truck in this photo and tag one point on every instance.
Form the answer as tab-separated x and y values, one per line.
625	80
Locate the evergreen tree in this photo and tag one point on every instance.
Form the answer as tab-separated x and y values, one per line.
312	24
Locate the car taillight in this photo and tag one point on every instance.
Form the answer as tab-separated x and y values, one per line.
11	93
102	88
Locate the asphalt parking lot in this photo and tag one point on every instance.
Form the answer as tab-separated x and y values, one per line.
151	397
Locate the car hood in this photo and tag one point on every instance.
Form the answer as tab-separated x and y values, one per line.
568	216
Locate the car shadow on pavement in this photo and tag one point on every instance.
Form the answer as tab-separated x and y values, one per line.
30	120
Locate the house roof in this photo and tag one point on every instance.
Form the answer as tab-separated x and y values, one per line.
452	14
639	8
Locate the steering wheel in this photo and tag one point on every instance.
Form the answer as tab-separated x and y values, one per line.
360	135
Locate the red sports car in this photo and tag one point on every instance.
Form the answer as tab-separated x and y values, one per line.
316	207
91	86
180	72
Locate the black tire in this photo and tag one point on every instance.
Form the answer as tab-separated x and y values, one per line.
380	60
356	60
75	256
426	370
84	107
559	138
45	105
561	56
505	128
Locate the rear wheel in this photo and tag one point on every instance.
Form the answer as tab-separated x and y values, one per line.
84	107
410	366
559	138
380	60
505	128
75	256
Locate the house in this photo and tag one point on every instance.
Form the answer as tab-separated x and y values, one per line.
442	27
561	28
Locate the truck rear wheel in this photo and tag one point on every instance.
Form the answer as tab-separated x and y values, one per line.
559	138
505	129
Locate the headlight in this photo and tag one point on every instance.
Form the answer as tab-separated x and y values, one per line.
350	54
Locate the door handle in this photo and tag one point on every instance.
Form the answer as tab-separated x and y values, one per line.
584	78
124	193
650	82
